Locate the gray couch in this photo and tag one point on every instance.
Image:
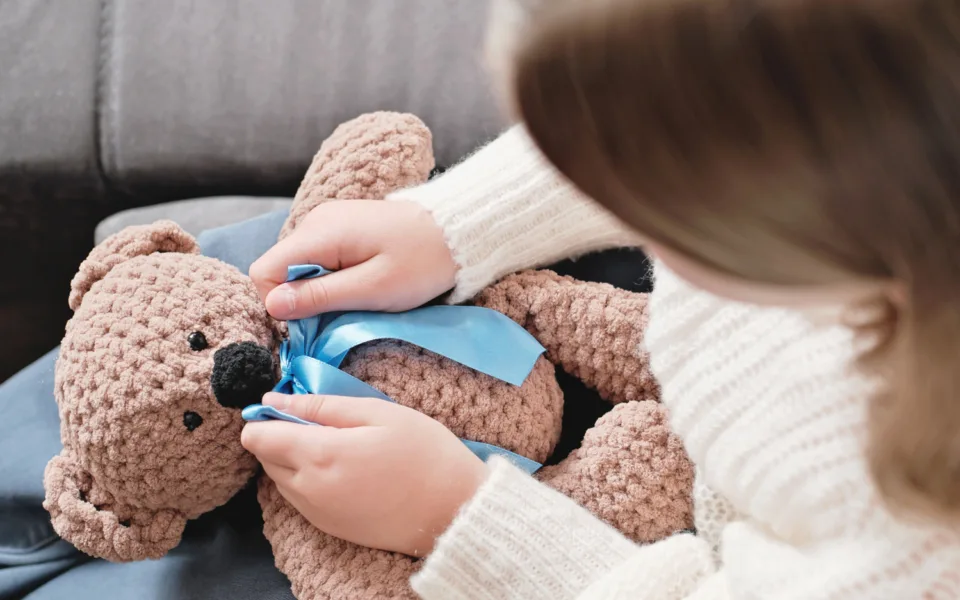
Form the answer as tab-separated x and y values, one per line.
111	105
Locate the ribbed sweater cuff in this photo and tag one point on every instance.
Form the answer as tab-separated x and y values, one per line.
518	538
506	208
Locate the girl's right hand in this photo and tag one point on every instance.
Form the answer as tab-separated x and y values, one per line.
387	256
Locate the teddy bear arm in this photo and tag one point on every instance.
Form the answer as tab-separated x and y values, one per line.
630	471
90	519
592	331
365	159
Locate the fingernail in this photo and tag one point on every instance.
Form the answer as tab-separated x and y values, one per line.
289	298
278	401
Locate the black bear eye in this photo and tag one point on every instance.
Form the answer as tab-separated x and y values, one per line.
192	420
197	341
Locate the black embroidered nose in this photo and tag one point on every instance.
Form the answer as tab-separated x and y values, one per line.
242	374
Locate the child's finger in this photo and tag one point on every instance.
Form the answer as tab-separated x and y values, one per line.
270	270
289	445
357	288
334	411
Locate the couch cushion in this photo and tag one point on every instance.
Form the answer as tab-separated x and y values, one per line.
195	215
242	93
48	77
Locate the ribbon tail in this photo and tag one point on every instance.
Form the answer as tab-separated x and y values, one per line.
259	412
479	338
313	376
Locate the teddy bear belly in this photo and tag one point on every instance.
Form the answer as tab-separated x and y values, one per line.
525	419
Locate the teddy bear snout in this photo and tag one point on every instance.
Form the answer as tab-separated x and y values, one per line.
242	373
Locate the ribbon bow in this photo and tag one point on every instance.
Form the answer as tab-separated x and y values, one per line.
478	338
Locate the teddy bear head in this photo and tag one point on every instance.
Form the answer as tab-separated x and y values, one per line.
164	349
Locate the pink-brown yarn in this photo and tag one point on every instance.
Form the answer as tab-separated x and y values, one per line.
365	159
131	474
591	330
368	158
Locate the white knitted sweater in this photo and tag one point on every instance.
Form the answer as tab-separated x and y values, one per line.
765	400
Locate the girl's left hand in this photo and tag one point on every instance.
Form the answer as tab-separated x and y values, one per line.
378	474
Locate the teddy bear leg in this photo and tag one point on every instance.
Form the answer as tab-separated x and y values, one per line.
322	567
631	472
592	331
365	159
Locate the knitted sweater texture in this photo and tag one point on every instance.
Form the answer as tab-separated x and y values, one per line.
766	401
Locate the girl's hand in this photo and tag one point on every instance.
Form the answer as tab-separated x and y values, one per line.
378	474
389	256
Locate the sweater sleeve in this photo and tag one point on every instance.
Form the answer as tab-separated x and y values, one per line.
505	208
517	538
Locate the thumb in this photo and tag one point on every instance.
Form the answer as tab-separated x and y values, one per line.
354	288
334	411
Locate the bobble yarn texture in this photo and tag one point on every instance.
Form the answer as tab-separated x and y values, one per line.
148	400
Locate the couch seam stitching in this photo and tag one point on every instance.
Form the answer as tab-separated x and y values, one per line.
102	129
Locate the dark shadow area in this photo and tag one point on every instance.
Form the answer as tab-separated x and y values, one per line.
628	269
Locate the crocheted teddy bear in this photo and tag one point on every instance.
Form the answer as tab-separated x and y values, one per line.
166	346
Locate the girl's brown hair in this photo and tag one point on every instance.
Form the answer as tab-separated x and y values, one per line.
791	142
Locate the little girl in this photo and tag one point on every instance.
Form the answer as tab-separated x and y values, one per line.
794	167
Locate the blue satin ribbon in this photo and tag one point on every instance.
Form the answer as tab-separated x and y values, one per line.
478	338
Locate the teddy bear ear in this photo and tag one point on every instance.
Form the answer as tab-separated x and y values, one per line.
90	520
136	240
365	159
